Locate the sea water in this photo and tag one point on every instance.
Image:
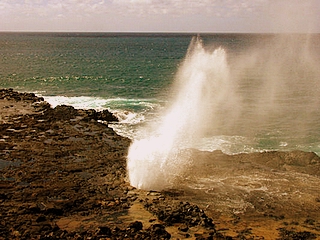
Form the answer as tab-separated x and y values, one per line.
267	99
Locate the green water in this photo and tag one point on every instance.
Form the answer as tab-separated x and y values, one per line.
276	80
90	64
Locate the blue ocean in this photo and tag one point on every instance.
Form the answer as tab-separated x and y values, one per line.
263	94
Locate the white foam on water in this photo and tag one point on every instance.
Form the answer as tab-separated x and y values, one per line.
82	102
130	112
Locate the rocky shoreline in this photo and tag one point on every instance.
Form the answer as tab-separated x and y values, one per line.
63	176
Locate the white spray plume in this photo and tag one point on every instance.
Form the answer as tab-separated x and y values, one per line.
154	162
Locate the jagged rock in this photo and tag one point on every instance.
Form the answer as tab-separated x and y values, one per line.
104	115
104	231
10	94
158	231
136	226
66	180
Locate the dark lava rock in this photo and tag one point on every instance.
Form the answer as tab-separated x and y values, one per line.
293	235
136	226
104	232
58	168
10	94
63	177
183	212
63	112
71	167
158	231
183	228
104	115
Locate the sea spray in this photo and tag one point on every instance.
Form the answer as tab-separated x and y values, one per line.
154	162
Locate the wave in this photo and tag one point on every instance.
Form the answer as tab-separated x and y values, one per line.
86	102
130	112
77	102
134	114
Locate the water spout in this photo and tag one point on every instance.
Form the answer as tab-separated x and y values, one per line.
201	85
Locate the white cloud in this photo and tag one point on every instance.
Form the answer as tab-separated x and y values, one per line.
122	7
134	15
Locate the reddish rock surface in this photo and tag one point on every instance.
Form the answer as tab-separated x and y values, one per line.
63	176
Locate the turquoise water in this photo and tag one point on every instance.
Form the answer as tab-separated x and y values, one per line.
275	82
90	65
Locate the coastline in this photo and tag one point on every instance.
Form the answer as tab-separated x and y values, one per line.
63	176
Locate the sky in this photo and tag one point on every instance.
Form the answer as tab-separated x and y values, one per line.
161	16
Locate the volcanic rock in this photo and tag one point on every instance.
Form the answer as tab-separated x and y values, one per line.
63	176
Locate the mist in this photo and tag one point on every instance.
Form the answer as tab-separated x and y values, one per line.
266	95
271	88
282	77
292	16
200	86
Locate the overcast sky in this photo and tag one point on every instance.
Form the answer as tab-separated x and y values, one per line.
160	15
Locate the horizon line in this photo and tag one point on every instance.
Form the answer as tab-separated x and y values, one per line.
151	32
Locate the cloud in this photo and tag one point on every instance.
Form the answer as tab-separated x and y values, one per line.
140	7
185	7
140	15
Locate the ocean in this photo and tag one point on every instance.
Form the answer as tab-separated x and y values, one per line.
263	89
